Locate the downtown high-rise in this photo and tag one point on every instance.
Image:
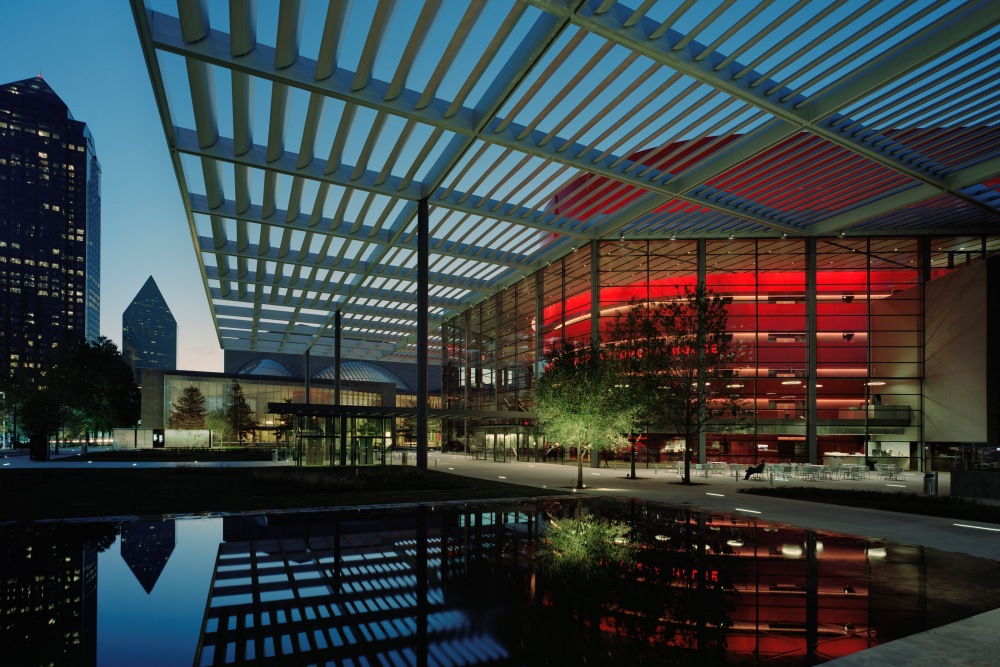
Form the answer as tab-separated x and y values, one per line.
50	228
149	331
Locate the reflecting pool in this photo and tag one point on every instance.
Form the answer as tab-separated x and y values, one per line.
541	582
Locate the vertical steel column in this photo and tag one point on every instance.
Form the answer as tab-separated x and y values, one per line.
307	376
539	342
595	292
702	290
811	443
341	420
924	278
469	374
497	380
595	321
423	270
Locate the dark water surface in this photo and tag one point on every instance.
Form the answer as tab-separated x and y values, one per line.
468	584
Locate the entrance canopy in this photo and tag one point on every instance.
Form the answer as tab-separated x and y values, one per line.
303	135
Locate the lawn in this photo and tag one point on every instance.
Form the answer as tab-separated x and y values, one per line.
909	503
59	493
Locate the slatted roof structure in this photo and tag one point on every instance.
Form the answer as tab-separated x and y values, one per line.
304	136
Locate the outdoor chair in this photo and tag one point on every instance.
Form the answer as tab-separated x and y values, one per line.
756	472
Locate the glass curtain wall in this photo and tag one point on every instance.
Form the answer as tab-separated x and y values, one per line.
866	336
316	441
490	353
218	393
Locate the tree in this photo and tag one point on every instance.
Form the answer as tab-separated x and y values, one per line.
239	414
40	414
581	400
679	358
14	391
93	378
217	422
406	427
189	411
286	423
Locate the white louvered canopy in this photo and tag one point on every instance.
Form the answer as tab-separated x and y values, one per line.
303	135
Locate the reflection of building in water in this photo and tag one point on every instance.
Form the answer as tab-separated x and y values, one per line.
456	584
342	589
790	595
48	598
146	547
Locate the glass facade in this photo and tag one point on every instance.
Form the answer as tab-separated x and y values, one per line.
828	333
258	392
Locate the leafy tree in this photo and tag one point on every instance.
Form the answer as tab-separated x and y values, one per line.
94	379
582	400
14	390
73	423
217	421
406	427
240	415
286	422
40	414
679	358
189	412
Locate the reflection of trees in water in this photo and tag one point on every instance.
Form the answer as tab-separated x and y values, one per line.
651	591
48	592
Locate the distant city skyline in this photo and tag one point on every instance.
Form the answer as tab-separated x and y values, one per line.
89	54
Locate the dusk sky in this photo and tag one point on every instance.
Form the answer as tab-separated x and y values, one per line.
88	52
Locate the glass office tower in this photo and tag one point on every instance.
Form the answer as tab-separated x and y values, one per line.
149	331
50	227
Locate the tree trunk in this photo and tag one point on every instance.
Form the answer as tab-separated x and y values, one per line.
579	467
687	461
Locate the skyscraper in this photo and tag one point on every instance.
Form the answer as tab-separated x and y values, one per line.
50	227
149	331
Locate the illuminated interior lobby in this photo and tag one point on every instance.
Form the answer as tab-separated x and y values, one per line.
863	390
427	184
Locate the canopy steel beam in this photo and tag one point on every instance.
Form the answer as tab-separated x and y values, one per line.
351	231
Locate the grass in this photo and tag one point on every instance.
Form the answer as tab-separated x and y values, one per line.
54	493
173	455
909	503
63	493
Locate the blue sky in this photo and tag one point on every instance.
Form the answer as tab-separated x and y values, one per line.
88	52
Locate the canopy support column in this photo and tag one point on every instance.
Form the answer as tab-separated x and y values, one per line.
342	421
812	444
423	266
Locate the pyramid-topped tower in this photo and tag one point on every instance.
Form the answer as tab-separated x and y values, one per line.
149	331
